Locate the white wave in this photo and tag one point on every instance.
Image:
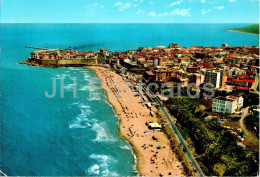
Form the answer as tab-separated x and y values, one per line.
86	76
94	80
101	133
94	96
104	162
86	87
78	125
93	170
126	147
129	147
85	111
81	120
74	103
70	86
90	87
134	167
74	69
84	71
84	106
61	76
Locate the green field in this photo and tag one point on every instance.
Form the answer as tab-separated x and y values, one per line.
254	29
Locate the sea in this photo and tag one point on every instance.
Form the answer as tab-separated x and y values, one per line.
45	134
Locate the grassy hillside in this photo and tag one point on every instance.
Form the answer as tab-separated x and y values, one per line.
249	29
216	150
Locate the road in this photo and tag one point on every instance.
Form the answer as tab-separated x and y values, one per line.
255	86
241	121
251	139
177	133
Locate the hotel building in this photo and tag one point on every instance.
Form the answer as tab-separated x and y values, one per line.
227	104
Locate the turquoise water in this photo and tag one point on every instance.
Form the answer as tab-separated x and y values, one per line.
77	136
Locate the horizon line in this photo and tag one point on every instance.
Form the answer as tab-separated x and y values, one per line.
129	23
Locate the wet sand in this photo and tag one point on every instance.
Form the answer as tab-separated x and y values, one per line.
133	116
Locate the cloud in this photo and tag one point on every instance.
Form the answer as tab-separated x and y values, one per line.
152	13
123	6
204	11
151	3
176	3
180	12
163	14
137	2
203	1
94	5
139	12
219	7
232	0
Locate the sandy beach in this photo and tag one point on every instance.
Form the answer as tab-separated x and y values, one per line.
133	114
236	31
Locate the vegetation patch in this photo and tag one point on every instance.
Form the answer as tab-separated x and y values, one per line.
254	29
216	150
252	123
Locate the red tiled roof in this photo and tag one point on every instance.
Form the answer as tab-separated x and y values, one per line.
183	58
139	56
230	77
243	75
244	80
150	73
242	88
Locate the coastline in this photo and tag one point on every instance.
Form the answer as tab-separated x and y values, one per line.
144	147
135	153
236	31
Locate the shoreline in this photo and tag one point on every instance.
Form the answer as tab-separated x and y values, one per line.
236	31
143	146
135	153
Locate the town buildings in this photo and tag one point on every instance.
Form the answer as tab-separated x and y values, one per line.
225	66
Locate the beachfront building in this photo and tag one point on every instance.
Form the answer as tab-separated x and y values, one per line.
227	104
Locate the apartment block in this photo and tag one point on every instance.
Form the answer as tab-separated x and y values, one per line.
213	77
227	104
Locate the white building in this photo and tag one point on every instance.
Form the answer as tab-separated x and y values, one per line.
213	77
227	104
161	47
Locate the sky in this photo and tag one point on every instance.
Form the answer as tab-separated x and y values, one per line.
129	11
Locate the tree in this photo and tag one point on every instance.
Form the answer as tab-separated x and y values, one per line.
219	168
